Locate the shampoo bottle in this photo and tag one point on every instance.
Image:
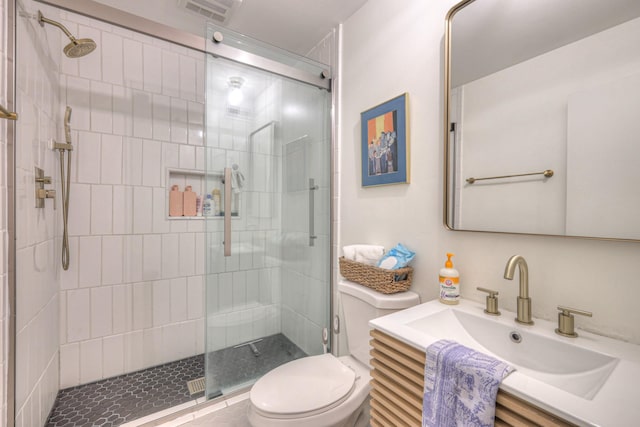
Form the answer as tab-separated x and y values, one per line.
175	201
189	208
449	283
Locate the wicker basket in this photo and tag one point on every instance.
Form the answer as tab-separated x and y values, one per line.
378	279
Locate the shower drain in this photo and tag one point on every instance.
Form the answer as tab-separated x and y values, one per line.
196	386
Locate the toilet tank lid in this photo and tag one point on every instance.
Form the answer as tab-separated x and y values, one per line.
395	301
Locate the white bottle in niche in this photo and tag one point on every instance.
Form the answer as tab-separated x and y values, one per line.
216	202
206	206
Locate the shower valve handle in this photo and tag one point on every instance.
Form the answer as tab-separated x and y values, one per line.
43	194
44	180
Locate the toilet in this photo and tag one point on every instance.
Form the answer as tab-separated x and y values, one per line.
325	390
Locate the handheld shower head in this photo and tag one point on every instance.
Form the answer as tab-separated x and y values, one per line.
67	127
78	47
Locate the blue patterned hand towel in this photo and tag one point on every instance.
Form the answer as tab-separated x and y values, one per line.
460	386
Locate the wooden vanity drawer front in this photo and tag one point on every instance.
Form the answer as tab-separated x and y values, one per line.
513	411
397	386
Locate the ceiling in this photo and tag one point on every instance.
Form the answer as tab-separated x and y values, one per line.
294	25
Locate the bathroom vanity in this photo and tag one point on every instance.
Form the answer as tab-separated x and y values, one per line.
558	381
398	381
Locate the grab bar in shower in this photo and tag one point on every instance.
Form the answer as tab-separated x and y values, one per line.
312	189
6	114
227	212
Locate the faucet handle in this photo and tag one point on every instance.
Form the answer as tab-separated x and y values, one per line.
566	321
492	301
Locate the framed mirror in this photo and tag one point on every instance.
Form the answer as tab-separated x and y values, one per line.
542	117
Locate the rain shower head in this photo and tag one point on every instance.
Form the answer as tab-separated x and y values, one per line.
78	47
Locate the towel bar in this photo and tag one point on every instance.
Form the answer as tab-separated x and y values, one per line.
547	173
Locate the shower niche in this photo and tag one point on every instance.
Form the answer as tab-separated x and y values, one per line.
202	184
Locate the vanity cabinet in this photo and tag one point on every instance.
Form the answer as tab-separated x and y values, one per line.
397	387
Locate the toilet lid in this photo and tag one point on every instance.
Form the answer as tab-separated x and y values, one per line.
303	387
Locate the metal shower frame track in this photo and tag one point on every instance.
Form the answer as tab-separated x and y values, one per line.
111	15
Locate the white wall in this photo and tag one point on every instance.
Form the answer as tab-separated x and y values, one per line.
599	276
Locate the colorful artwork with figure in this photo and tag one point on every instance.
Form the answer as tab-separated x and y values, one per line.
383	150
385	154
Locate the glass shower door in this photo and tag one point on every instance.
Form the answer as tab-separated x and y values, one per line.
268	169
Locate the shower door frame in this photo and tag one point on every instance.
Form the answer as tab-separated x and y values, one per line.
101	12
11	217
110	15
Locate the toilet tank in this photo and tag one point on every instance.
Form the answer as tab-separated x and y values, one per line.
361	304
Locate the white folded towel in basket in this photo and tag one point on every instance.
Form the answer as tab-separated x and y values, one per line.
366	254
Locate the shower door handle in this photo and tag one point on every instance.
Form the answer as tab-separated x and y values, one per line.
227	212
312	232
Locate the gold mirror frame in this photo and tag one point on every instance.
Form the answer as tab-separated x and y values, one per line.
447	192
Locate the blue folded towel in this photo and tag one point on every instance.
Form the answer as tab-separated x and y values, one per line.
460	386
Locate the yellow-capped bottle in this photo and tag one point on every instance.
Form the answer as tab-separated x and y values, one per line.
449	283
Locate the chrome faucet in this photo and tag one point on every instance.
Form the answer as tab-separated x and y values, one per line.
524	302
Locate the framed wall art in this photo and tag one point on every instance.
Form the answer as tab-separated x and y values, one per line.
385	143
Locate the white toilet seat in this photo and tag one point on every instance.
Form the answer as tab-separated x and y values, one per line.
283	403
303	387
342	413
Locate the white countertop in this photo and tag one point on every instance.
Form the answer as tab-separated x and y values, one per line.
617	403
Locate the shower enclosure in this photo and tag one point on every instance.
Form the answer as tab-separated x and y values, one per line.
219	299
268	151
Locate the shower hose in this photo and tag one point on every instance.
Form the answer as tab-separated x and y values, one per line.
65	207
66	189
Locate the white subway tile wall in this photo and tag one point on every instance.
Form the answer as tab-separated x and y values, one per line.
37	252
138	109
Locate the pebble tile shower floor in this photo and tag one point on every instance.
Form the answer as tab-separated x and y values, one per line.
114	401
117	400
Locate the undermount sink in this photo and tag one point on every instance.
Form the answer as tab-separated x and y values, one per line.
531	350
